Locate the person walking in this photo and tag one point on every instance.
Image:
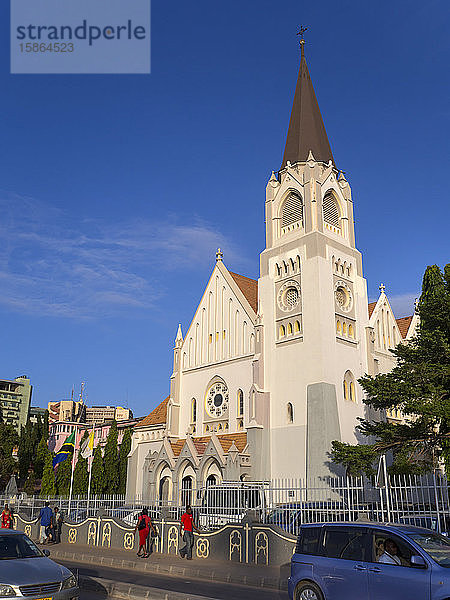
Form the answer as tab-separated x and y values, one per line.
7	519
187	525
57	525
143	525
45	518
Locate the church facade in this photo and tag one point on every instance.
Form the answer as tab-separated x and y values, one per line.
265	377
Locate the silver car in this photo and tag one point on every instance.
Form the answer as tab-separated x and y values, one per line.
26	572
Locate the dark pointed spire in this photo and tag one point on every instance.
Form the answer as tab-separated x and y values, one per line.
306	129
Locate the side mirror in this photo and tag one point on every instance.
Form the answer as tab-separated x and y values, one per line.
418	562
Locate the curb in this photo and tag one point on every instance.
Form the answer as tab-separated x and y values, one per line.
124	591
176	571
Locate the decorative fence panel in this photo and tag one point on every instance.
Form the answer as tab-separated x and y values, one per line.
285	503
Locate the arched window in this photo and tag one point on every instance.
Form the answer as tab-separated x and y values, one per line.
282	331
349	387
186	491
240	403
351	333
344	328
289	329
297	327
290	412
253	415
331	212
211	480
194	410
338	327
292	211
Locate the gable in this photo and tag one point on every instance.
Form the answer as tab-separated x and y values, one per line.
223	324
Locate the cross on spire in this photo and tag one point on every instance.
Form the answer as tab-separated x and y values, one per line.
382	287
300	32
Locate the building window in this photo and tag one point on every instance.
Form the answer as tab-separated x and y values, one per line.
351	333
331	212
349	387
240	403
338	327
289	329
290	413
297	327
292	211
193	411
282	331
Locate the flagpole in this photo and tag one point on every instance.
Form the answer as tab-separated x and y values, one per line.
73	469
90	470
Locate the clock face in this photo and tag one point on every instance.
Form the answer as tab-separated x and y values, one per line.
217	400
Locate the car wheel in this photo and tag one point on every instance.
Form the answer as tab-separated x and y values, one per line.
308	591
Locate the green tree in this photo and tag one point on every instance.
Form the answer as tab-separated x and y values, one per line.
48	483
8	466
111	461
418	386
124	451
81	476
98	473
45	425
30	484
39	458
63	475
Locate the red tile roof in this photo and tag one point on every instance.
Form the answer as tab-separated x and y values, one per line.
403	325
249	287
371	308
158	416
200	443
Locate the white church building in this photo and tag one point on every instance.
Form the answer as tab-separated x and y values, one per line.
265	377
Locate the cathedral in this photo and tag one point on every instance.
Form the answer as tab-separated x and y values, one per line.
266	375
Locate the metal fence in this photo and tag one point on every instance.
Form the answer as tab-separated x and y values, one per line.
412	500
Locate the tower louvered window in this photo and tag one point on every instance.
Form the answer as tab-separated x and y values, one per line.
292	212
331	213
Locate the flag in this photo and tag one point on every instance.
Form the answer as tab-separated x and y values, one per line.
65	451
87	449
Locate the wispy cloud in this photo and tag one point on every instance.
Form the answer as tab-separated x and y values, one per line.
50	265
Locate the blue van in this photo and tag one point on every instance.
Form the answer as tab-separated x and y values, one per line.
369	561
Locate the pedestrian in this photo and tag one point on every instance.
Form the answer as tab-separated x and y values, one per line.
143	525
58	521
7	520
45	518
187	524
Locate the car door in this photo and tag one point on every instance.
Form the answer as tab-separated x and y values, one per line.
396	582
343	561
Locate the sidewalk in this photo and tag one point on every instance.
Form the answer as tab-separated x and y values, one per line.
259	576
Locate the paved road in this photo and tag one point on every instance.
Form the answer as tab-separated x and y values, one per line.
219	591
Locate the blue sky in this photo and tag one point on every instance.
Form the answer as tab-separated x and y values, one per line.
111	210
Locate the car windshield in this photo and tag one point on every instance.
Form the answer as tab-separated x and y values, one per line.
437	546
17	546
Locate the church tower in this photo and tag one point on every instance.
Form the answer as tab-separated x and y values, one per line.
312	298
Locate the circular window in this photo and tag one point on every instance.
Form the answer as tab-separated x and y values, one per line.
217	400
343	296
289	296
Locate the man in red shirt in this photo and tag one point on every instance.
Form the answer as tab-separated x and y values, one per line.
187	524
